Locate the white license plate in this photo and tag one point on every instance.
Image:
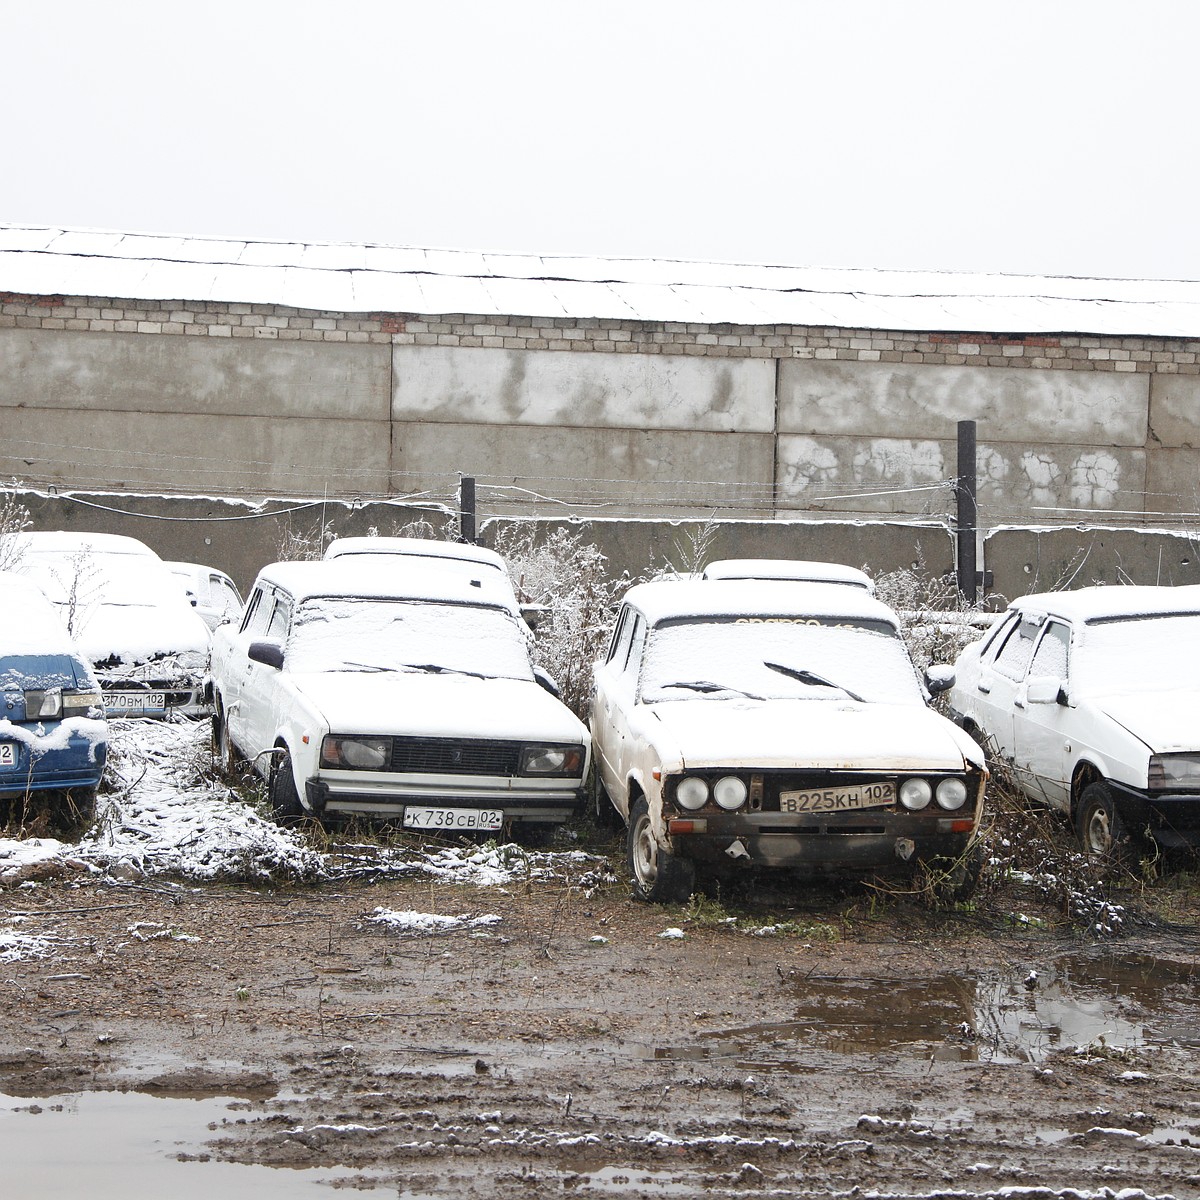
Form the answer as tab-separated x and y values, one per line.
8	754
135	704
453	818
839	799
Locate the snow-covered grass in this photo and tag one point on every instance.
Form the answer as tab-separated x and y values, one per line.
165	812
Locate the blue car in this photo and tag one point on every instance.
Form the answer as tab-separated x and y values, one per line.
53	735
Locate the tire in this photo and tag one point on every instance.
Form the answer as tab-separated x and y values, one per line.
285	800
1101	832
657	876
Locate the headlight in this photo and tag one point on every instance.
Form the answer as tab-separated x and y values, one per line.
729	792
81	704
951	794
691	793
552	760
1171	771
43	704
915	794
356	753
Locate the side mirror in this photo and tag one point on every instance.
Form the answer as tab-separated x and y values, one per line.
270	654
939	678
547	682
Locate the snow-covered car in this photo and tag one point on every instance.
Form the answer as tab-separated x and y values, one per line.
777	724
53	735
1093	696
358	691
415	554
210	592
797	569
128	615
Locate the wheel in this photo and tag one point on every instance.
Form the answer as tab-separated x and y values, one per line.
657	875
285	800
1102	833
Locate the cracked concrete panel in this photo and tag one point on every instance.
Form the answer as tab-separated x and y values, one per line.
865	474
1173	482
606	470
1175	410
914	401
1031	483
602	391
128	372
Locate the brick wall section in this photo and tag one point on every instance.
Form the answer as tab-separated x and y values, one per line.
276	322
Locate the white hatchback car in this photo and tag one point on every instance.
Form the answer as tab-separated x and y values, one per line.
357	692
212	593
777	724
1093	698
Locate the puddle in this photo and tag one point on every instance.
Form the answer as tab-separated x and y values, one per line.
117	1144
1129	1001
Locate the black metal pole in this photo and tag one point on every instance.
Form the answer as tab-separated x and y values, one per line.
968	512
466	509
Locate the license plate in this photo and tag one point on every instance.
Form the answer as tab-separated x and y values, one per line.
135	704
453	818
8	754
838	799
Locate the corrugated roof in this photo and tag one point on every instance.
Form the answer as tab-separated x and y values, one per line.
403	279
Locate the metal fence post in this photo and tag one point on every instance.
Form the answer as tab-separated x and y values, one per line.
466	509
968	513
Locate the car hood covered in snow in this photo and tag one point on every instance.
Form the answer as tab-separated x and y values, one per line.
439	705
1165	721
134	633
824	734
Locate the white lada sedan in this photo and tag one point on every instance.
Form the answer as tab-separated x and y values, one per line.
354	692
777	724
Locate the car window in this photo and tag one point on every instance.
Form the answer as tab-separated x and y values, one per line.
357	634
1050	657
782	657
618	652
1017	650
998	634
1137	654
281	616
225	596
637	643
254	621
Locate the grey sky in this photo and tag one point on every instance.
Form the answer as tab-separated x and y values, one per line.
1044	138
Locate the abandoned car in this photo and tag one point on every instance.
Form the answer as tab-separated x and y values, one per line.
777	724
1092	697
357	691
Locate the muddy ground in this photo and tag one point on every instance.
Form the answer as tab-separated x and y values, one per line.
830	1040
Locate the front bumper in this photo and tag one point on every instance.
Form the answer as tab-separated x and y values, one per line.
75	765
544	802
1171	819
870	841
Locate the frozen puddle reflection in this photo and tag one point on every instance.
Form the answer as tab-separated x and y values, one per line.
121	1144
1124	1001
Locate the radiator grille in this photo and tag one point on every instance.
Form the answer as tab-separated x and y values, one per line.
454	756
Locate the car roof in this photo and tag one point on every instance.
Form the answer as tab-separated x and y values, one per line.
416	548
371	578
61	541
788	568
1112	602
671	598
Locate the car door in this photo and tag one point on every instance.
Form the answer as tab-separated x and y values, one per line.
1001	672
616	692
234	671
1042	722
261	686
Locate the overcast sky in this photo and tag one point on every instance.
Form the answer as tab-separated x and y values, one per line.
1047	137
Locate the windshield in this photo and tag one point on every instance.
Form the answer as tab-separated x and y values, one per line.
1146	654
778	658
88	578
347	634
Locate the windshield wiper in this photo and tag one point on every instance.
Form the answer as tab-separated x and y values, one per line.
438	669
812	679
707	685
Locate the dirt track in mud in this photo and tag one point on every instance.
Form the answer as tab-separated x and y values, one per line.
880	1047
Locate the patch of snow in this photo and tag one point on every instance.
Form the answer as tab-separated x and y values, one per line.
409	921
673	932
